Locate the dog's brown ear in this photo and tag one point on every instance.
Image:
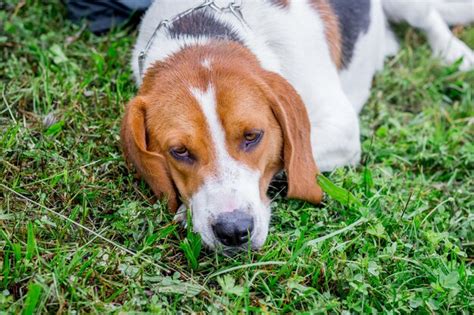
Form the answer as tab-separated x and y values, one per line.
151	166
300	167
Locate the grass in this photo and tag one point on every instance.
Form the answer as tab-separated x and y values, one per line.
404	245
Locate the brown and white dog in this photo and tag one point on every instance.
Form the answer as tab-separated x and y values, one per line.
224	104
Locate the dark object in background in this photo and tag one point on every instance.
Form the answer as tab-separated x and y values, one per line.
102	15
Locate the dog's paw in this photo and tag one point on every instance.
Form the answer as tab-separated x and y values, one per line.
180	216
454	51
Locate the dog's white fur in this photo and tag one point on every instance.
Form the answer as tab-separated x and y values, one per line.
292	42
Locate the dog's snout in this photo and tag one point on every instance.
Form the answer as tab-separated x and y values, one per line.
233	228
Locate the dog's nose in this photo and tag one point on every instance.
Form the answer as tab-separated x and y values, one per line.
233	228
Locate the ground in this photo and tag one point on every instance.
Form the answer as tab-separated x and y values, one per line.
401	242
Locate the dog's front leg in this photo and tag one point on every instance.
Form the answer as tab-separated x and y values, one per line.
335	137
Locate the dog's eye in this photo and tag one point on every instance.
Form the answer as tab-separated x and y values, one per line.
181	154
251	139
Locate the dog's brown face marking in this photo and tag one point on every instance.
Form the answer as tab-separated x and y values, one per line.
177	122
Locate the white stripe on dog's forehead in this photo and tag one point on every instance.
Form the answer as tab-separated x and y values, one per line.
228	169
207	100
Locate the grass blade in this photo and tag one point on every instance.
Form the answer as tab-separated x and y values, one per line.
31	242
340	231
337	193
367	181
32	298
192	245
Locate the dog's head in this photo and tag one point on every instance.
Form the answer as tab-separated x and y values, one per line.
210	128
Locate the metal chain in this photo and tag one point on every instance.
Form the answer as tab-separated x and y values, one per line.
233	7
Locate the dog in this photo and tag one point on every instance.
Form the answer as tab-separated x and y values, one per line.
232	93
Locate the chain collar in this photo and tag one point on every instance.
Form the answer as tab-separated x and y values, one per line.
233	8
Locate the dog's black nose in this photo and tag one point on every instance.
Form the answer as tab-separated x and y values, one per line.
233	228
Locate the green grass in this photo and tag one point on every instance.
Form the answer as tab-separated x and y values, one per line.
404	243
